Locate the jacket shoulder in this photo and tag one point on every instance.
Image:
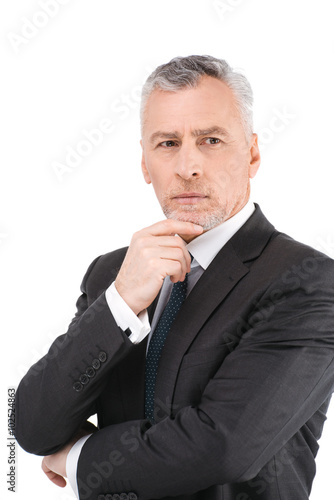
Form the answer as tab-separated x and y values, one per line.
290	248
289	262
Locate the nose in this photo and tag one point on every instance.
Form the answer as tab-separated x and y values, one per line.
188	162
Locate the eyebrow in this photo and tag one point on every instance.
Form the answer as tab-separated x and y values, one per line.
210	131
215	130
163	135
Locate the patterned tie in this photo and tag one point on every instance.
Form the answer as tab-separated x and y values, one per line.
178	295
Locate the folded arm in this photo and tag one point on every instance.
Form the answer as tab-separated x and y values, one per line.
64	385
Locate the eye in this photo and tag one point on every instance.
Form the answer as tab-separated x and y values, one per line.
168	144
212	140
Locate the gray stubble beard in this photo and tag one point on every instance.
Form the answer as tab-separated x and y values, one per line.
207	220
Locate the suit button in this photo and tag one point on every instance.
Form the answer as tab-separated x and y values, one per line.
96	364
123	496
116	497
90	372
132	496
77	386
108	497
102	356
84	379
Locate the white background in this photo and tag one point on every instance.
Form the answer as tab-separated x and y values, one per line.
89	59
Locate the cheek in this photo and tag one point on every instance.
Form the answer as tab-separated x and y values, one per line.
233	170
161	174
159	183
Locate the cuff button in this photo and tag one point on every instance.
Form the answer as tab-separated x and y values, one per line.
96	364
90	372
102	356
84	379
77	386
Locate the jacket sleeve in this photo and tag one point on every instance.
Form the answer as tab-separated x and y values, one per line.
58	393
266	389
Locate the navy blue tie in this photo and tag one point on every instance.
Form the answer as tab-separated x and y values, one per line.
178	295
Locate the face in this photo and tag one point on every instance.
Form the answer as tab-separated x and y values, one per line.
196	154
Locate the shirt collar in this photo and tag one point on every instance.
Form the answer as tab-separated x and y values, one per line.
205	247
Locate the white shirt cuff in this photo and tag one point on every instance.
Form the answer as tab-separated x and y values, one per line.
125	317
72	463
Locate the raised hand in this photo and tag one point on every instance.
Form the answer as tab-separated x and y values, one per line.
154	253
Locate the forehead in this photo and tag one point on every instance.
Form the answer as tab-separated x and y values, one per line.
210	103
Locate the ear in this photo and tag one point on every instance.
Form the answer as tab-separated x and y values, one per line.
255	157
143	166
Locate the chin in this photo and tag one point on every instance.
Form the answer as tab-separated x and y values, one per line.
207	221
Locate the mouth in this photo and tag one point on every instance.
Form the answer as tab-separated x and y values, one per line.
189	198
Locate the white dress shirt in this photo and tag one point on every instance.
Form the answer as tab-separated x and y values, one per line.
204	248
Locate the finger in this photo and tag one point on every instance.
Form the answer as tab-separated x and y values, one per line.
165	247
176	254
173	268
152	246
53	476
149	241
171	227
187	256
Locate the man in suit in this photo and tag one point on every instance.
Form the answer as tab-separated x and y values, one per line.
205	348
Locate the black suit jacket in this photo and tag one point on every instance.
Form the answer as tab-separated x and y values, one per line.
243	385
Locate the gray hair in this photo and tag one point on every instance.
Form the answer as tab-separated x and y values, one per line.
182	72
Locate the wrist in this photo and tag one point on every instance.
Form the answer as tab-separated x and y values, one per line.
128	299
